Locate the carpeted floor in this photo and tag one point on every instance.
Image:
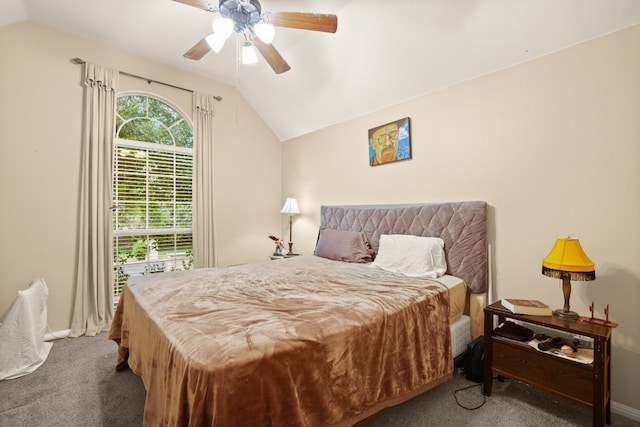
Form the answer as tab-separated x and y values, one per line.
78	386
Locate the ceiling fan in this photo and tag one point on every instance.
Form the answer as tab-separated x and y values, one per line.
246	17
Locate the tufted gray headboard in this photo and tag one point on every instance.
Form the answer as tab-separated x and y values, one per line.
462	226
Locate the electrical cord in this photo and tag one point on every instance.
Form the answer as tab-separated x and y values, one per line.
471	408
455	395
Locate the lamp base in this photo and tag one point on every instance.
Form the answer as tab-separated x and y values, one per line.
565	315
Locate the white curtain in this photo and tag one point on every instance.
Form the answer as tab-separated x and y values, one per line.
93	309
204	254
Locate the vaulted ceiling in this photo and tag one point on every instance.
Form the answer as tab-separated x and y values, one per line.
384	52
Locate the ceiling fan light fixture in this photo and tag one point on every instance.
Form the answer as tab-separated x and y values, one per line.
215	42
223	27
245	17
265	31
248	53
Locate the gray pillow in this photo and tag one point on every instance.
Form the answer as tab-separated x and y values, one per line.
340	245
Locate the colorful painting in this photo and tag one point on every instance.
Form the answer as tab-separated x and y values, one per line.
390	142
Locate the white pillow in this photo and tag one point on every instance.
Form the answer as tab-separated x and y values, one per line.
411	255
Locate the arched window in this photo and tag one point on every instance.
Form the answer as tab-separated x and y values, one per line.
152	181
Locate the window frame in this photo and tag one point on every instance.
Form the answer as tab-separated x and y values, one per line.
121	265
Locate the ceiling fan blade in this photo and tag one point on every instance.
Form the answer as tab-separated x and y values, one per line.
271	55
303	21
200	4
198	50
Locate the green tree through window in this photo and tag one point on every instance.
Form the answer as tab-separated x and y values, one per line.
152	182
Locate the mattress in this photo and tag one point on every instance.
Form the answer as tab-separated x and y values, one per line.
460	324
457	295
460	335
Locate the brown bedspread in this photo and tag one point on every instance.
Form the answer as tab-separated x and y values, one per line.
300	342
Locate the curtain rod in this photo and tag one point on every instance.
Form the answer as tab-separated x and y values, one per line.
80	61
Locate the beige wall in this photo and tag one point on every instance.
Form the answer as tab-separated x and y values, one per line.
552	145
40	112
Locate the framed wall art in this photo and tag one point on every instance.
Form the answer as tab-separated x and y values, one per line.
390	142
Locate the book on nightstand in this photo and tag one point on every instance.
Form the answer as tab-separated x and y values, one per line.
526	306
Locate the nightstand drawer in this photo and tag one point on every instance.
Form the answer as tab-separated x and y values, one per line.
553	374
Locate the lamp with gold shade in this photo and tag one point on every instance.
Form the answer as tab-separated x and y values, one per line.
567	261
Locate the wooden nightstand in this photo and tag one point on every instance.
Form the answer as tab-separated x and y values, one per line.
589	384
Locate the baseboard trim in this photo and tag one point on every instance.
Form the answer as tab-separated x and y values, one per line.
625	411
56	335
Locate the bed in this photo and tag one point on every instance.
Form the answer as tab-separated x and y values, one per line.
311	340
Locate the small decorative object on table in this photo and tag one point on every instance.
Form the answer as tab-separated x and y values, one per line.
597	320
279	246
